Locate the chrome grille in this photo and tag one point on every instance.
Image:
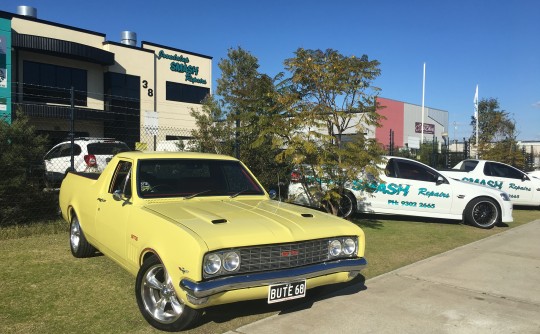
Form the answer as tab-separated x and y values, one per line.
281	256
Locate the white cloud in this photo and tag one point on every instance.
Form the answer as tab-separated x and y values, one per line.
536	105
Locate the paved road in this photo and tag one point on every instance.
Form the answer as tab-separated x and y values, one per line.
490	286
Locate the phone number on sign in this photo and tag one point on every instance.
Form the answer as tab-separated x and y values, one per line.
412	204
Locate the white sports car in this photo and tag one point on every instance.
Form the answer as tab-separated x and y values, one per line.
411	188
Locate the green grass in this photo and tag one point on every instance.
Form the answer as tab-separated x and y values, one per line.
45	290
28	230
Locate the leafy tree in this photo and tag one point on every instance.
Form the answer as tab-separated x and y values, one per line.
21	156
324	112
497	134
233	121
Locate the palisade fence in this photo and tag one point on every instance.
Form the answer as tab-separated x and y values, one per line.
447	154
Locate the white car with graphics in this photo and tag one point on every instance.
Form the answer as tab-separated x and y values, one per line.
411	188
523	188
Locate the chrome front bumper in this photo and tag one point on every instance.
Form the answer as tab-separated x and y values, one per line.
208	288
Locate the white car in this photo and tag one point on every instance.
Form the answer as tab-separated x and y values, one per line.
411	188
90	155
523	188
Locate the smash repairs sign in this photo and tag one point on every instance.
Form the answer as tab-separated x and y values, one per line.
405	195
490	183
397	189
180	64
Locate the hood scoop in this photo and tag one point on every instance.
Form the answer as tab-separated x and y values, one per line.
307	215
219	221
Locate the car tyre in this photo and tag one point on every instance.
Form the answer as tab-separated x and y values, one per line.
482	212
157	299
80	247
347	205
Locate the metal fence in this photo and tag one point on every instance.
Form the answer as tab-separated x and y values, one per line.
29	191
75	139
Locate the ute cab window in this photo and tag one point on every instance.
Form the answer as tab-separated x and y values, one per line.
120	182
500	170
193	177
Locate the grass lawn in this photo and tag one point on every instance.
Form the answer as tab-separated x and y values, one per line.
45	290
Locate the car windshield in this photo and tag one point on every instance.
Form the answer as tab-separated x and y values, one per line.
191	178
107	148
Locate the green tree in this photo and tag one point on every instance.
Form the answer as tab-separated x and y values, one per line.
21	188
328	107
497	134
232	122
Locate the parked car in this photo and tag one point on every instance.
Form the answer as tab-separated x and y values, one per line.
411	188
523	188
89	155
198	230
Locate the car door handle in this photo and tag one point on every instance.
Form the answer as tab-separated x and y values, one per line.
102	200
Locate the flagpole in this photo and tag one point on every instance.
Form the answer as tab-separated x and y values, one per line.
476	116
423	96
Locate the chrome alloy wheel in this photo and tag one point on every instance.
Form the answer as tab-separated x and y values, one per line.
75	235
158	295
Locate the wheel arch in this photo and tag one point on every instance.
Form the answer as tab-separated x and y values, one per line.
147	253
479	197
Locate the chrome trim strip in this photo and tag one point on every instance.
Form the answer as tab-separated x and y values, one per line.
208	288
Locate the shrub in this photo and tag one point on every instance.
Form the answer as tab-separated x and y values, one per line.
22	199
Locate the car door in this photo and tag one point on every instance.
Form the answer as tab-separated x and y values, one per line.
414	189
519	186
113	213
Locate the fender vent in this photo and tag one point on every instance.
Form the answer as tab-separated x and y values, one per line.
307	215
219	221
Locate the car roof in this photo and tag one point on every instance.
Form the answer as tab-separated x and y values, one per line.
173	155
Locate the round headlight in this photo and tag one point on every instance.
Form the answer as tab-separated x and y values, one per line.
349	246
231	261
212	264
334	248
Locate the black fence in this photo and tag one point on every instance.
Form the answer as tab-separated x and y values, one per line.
441	155
69	135
77	137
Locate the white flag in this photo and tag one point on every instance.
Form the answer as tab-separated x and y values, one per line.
476	103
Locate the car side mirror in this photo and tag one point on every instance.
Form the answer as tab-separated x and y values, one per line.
118	195
440	180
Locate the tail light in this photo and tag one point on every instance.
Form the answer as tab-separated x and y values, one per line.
295	177
90	160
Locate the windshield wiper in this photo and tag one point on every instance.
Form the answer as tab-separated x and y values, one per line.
238	193
197	194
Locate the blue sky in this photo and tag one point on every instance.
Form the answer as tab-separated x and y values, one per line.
495	44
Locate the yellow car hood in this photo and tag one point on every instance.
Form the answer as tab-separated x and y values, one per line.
225	223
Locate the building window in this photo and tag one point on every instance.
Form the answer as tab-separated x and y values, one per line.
49	83
123	106
185	93
122	93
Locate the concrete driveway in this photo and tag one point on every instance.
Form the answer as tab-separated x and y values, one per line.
490	286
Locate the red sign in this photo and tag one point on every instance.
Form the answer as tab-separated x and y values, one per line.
428	128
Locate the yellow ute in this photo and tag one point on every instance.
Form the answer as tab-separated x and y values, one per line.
199	230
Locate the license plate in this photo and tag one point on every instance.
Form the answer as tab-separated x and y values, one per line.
286	291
